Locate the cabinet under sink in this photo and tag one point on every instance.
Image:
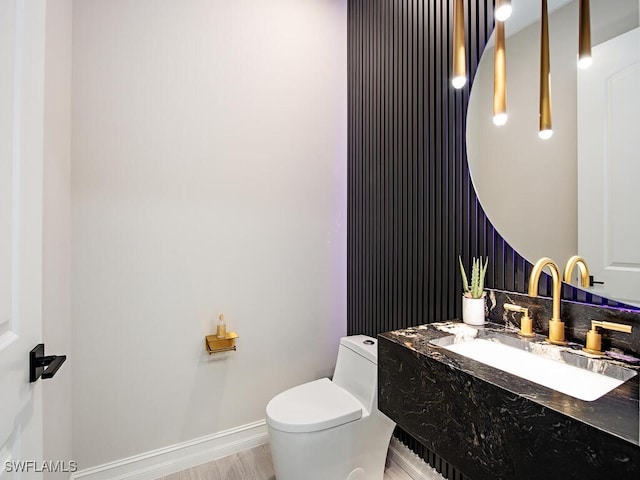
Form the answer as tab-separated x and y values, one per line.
490	424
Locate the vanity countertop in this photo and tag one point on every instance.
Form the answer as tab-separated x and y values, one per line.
616	413
489	424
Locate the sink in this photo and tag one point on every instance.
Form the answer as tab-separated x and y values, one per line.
558	368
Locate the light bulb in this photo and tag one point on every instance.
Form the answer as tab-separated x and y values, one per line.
458	82
503	12
545	134
499	119
584	62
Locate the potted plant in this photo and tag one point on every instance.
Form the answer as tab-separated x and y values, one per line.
473	296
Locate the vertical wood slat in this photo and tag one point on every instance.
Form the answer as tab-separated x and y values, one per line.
412	208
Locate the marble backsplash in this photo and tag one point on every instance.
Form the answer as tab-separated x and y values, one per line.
577	318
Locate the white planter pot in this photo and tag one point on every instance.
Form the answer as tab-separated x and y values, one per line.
473	310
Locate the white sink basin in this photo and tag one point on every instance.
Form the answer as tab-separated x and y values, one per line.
567	372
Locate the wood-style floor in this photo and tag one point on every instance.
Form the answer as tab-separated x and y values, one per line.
253	464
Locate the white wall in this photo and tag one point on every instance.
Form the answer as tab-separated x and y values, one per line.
208	176
528	186
56	302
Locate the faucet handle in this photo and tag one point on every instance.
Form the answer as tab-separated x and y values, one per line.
594	338
526	324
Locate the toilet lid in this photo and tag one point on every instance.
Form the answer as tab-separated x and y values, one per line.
311	407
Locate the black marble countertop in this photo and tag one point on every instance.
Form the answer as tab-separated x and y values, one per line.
616	413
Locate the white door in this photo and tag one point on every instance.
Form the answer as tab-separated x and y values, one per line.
22	41
609	167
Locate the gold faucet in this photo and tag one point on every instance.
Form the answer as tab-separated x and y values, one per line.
556	326
594	339
584	270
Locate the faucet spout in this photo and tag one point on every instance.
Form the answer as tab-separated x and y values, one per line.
556	325
582	265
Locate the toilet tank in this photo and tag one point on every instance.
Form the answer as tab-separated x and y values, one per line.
357	369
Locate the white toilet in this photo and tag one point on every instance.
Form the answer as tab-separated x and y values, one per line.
332	430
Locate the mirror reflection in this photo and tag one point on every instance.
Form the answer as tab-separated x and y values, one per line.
535	191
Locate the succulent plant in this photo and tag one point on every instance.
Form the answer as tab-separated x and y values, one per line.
475	289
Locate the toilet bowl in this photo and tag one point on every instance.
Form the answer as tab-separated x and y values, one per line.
332	429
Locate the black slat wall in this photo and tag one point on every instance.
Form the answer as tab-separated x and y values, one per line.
412	207
411	204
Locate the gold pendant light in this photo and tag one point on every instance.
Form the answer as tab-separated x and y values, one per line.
503	10
584	41
459	73
545	131
499	78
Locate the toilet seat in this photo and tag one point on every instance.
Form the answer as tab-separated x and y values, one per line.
313	406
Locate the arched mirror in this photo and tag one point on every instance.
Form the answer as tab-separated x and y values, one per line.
534	191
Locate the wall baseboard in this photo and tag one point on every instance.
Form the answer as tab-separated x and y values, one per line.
172	459
411	463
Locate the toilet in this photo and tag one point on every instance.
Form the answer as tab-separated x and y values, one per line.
332	429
